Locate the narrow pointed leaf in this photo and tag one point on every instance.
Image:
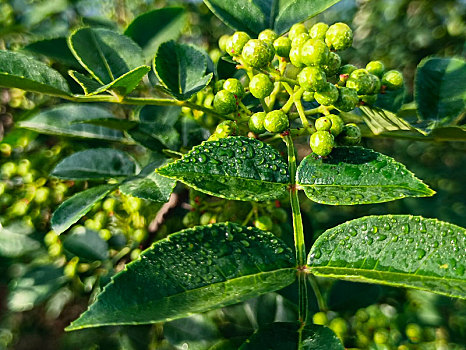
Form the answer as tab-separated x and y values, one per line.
193	271
74	208
106	55
237	168
155	27
182	69
91	164
86	244
55	48
64	120
87	84
355	175
380	121
287	335
396	250
20	71
112	123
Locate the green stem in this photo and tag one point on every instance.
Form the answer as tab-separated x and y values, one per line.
318	294
265	107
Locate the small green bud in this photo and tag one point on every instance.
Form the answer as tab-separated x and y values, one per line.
308	96
235	87
268	35
322	143
312	79
393	80
328	95
282	46
222	42
368	99
337	124
219	85
376	85
297	29
318	31
226	128
234	45
276	121
224	102
191	219
323	124
360	81
299	40
350	136
257	53
339	36
295	57
260	86
256	122
347	100
376	68
314	52
280	214
347	69
333	64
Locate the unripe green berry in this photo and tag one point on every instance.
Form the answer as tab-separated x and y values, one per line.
8	169
226	128
191	219
257	54
376	85
260	86
360	81
339	36
23	167
224	102
376	68
350	136
263	223
320	318
256	122
282	46
318	31
219	85
333	64
206	218
299	40
347	100
312	79
5	149
337	124
347	69
322	143
295	57
393	80
276	121
297	29
308	96
235	87
314	52
222	42
235	44
42	194
323	124
328	95
268	35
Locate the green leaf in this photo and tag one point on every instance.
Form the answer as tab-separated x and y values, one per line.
14	244
86	244
74	208
22	72
112	123
440	91
98	163
55	48
287	335
396	250
106	55
63	120
382	121
182	69
193	271
391	100
152	28
355	175
87	84
238	168
149	185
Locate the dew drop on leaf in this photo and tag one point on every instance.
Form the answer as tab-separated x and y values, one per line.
420	253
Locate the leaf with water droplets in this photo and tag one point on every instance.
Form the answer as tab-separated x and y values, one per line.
355	175
397	250
193	271
238	168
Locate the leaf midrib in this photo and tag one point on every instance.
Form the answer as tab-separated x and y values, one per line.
364	186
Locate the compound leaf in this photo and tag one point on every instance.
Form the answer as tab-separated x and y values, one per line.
192	271
396	250
20	71
238	168
355	175
98	163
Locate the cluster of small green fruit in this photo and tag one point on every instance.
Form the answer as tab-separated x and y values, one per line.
306	66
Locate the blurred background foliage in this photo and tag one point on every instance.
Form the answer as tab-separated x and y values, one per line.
47	281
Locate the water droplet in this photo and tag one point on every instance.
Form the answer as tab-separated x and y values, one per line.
375	229
422	227
213	161
283	171
410	240
394	238
443	233
260	160
381	237
317	254
352	232
273	167
229	236
364	226
369	240
342	242
245	243
386	226
435	244
405	228
420	253
202	158
272	156
279	250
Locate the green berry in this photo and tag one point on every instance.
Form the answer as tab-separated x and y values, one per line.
191	219
333	64
219	85
393	80
224	102
222	42
8	169
256	122
350	136
257	53
282	46
322	143
323	124
347	100
347	69
297	29
328	95
339	36
318	31
280	214
234	45
42	194
337	124
276	121
299	40
263	223
312	79
308	96
268	35
320	318
360	81
295	57
376	85
368	99
226	128
260	86
314	52
376	68
206	218
235	87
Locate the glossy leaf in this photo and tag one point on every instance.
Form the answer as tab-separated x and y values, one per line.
193	271
74	208
391	100
287	335
152	28
88	85
440	91
355	175
55	48
380	121
106	55
112	123
64	120
182	69
15	244
238	168
22	72
86	244
98	163
397	250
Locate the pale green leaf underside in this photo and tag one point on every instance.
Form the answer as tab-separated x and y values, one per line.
13	244
355	175
380	121
192	271
238	168
397	250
